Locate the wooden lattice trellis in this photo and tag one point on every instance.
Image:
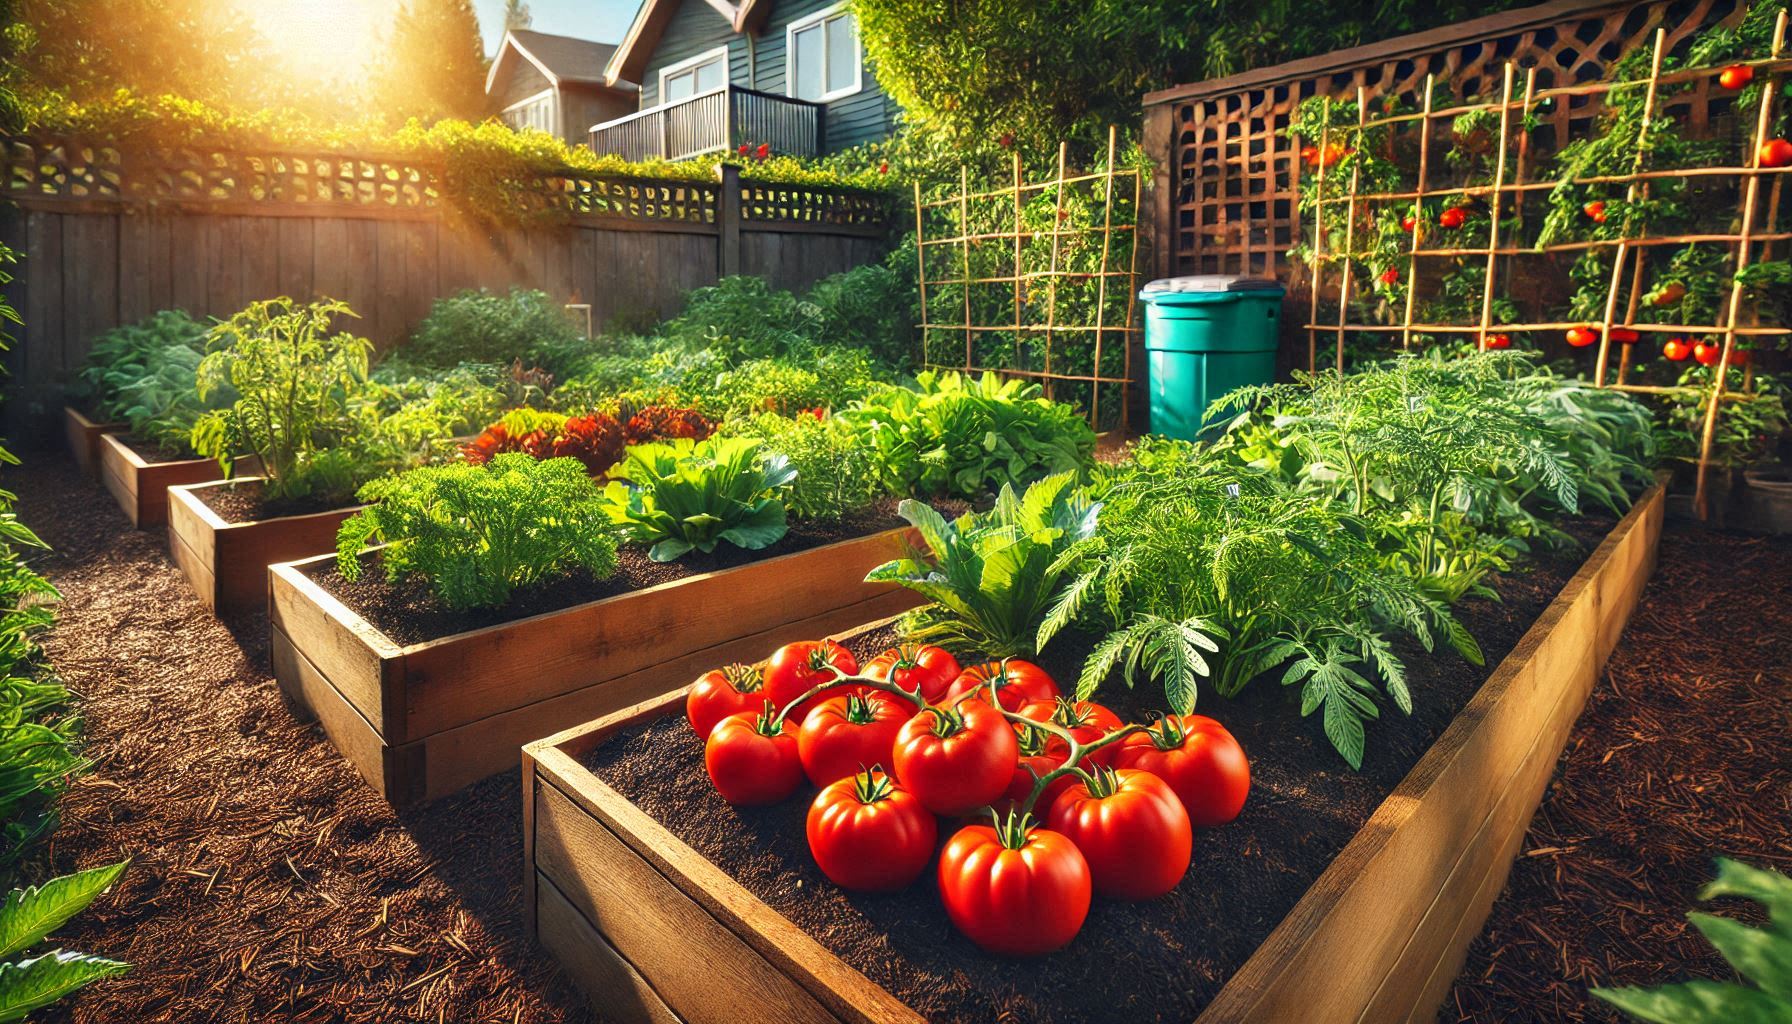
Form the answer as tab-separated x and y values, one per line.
1755	227
1012	282
1227	187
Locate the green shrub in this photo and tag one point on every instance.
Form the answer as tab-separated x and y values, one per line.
479	533
295	378
993	576
483	327
873	307
741	318
835	471
146	374
964	437
693	495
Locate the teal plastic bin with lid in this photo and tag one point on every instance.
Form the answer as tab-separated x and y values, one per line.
1205	336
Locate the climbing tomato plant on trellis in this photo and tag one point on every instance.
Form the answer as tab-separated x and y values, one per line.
1036	279
1656	258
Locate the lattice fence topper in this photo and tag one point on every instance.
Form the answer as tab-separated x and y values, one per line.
1479	252
1230	184
62	168
1036	279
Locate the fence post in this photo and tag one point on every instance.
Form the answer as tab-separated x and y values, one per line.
728	222
1160	146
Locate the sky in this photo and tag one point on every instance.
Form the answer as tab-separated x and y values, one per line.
603	21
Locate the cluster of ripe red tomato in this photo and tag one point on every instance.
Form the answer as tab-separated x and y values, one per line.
1774	152
1705	353
915	738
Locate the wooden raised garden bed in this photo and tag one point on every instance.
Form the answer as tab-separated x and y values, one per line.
84	436
422	720
141	486
650	928
227	563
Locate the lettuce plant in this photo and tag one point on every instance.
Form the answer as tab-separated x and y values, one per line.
993	576
479	533
963	437
686	495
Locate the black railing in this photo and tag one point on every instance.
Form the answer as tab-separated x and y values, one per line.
712	122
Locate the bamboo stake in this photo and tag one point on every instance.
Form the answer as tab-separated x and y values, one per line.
1751	197
1101	282
1051	295
964	251
1318	262
1493	220
1636	295
1417	237
1356	180
921	270
1630	196
1018	269
1520	193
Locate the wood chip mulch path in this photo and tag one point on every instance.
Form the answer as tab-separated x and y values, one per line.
268	883
1684	753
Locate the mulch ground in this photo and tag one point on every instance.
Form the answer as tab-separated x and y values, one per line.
268	882
1683	754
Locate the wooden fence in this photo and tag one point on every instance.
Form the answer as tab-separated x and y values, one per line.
1225	195
111	236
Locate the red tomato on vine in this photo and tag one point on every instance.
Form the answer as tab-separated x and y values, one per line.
847	734
752	758
870	834
1390	276
1625	336
1499	341
1707	353
1130	828
1085	720
796	668
1776	153
1736	76
1676	349
1201	761
1016	682
956	759
1013	889
721	692
1453	218
925	669
1581	337
1595	211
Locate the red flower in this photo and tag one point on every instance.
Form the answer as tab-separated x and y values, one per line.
1006	141
764	150
745	148
883	168
1390	276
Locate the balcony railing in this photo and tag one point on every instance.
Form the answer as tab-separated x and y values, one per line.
712	122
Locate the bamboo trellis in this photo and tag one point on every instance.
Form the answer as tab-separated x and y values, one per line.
1075	356
1751	230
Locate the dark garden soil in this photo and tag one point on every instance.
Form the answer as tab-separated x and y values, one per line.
408	612
1158	961
244	502
151	452
1683	754
268	882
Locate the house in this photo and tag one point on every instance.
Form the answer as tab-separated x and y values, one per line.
790	74
556	84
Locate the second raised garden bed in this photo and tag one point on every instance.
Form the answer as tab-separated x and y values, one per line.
226	563
656	931
421	720
140	484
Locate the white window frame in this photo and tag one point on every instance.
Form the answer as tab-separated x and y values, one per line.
552	95
691	62
858	46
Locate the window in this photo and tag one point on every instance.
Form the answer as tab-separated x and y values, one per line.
703	73
825	61
535	112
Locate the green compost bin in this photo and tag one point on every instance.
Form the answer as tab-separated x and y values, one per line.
1206	335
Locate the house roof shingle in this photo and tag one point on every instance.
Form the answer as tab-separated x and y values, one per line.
563	59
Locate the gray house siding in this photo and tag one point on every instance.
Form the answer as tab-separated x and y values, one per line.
526	80
759	63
